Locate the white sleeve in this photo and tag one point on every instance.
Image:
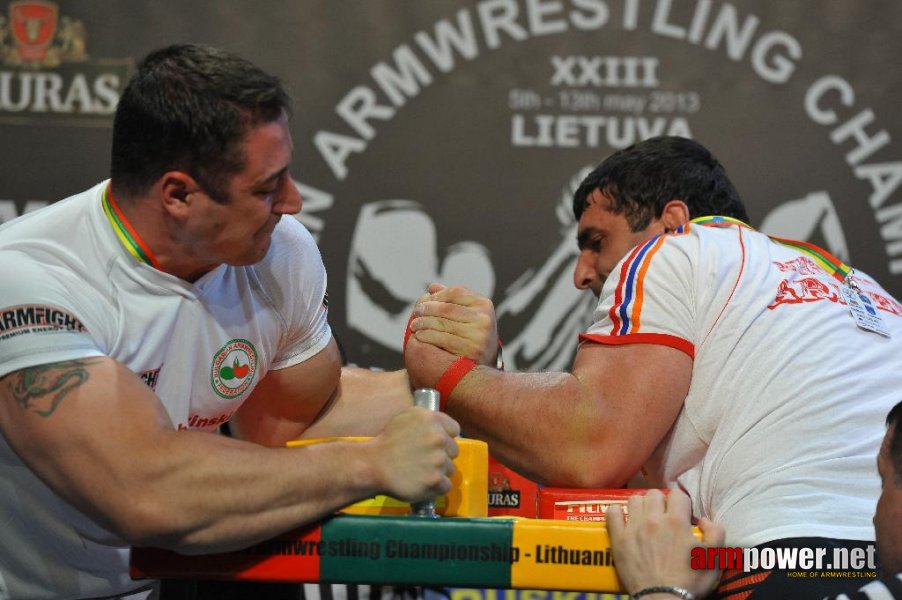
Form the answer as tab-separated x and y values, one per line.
650	297
40	321
295	278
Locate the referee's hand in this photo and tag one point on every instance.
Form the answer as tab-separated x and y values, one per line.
654	546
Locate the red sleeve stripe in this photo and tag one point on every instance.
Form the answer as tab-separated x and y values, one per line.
630	292
618	292
656	339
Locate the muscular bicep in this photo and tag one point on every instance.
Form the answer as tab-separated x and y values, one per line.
80	425
287	401
640	390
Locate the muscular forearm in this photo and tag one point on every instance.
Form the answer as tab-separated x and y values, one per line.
198	492
239	493
319	398
106	445
592	427
363	403
545	425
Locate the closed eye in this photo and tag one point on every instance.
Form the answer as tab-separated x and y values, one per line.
270	185
590	240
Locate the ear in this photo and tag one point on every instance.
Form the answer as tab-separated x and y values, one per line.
176	191
674	214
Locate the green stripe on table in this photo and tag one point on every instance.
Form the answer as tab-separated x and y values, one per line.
417	551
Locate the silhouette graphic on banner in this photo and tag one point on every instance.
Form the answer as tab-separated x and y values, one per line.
394	255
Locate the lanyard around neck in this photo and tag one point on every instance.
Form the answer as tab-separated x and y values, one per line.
125	232
835	267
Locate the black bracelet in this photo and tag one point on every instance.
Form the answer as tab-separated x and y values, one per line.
665	589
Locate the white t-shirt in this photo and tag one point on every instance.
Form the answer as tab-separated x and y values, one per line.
779	433
72	290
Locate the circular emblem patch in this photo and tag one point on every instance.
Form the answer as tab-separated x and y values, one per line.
233	369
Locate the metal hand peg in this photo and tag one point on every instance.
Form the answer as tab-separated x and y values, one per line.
427	398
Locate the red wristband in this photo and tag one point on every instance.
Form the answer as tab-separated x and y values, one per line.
407	333
450	378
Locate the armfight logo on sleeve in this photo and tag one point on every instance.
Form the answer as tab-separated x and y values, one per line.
35	318
151	377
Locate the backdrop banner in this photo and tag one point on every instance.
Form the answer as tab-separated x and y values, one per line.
442	140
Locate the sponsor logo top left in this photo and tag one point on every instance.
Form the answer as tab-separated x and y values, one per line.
47	74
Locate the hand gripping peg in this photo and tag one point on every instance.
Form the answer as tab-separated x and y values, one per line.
427	398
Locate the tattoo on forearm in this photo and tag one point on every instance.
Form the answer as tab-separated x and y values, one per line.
41	389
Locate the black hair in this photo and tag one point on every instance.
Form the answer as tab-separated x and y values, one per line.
188	107
641	179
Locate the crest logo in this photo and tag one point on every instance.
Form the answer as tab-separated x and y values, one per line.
233	369
38	37
45	74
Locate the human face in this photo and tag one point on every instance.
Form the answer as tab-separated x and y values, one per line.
238	230
888	517
604	238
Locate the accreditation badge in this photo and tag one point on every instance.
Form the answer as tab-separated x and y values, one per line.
863	311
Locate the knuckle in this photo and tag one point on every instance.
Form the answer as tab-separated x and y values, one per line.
435	438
